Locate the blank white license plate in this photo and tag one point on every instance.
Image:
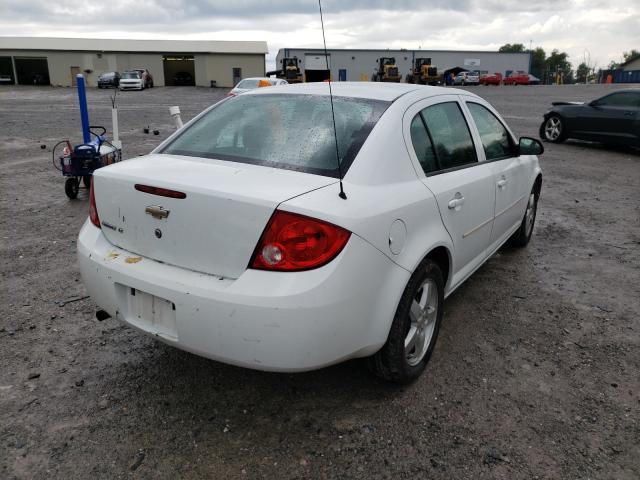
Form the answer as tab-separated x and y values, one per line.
153	314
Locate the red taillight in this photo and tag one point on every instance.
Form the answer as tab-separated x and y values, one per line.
162	192
292	242
93	211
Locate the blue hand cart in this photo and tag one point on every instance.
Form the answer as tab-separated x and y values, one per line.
78	163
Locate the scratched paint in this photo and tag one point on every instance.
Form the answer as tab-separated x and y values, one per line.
132	259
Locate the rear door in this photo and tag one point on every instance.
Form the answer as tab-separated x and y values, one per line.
511	174
440	142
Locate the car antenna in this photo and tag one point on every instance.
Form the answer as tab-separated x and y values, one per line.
342	195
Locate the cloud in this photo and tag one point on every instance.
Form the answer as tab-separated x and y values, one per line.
603	28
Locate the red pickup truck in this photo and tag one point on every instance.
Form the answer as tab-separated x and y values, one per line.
517	78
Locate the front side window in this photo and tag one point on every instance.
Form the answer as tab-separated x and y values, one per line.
450	135
283	131
496	141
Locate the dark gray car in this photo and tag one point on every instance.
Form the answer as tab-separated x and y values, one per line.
109	79
613	119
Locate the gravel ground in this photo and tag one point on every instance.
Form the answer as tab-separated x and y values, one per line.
535	374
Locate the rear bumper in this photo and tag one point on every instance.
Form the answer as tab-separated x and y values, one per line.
263	320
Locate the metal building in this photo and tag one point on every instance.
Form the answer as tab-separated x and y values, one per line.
56	61
354	65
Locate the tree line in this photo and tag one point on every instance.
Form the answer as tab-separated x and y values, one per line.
556	67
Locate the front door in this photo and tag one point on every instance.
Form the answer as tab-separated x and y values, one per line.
463	187
511	178
74	79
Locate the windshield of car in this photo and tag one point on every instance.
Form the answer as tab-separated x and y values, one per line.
108	75
284	131
249	83
130	75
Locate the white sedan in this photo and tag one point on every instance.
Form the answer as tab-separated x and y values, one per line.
233	240
255	82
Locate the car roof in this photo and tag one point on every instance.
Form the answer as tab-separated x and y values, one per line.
624	90
371	90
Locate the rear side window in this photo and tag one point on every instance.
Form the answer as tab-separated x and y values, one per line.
450	135
622	99
283	131
423	146
496	141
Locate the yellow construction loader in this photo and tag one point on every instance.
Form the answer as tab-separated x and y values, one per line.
387	71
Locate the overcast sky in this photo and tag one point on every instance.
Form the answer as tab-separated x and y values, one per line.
601	29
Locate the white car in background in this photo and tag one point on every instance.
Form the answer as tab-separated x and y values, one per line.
255	82
131	80
232	240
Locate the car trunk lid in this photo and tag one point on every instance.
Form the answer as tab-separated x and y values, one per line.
214	229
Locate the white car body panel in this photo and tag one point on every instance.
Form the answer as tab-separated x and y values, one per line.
296	320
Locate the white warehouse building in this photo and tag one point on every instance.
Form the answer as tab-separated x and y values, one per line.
359	65
57	61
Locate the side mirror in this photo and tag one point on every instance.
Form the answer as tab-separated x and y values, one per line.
530	146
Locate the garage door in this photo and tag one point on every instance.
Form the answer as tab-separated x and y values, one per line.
315	67
32	71
179	70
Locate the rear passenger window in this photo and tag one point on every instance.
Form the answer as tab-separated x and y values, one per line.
495	138
422	145
450	135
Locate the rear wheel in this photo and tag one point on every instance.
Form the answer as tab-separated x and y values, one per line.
553	129
71	187
415	326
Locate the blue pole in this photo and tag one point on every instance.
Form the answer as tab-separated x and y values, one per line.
84	113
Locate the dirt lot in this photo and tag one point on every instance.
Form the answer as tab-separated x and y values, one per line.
536	373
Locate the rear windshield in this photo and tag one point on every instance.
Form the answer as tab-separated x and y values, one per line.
284	131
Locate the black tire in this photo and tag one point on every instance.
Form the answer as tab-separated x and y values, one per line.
391	362
553	129
86	180
522	236
71	187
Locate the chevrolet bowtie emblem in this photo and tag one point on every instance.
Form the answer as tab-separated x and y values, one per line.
156	211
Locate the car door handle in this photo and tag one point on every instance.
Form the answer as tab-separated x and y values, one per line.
502	183
456	202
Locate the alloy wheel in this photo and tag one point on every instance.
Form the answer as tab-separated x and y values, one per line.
530	215
423	314
553	128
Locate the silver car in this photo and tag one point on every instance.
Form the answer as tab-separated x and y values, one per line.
467	78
